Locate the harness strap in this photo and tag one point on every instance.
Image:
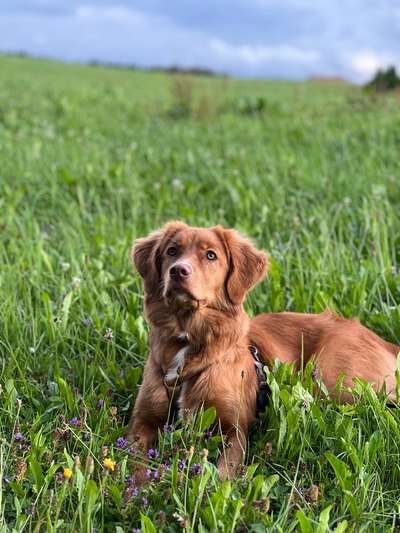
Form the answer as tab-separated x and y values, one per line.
263	388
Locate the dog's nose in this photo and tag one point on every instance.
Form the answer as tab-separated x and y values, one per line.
180	271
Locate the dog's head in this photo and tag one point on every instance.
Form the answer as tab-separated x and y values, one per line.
195	268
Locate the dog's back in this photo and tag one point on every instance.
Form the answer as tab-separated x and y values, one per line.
340	346
290	336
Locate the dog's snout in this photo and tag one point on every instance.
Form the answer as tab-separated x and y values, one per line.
180	271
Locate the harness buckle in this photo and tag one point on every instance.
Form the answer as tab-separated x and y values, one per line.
263	388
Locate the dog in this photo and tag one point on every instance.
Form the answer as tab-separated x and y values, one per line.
195	282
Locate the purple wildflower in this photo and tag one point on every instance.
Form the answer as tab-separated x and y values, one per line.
132	450
110	392
145	501
167	428
132	491
153	454
152	475
181	464
121	443
74	421
208	434
195	469
19	437
100	404
87	322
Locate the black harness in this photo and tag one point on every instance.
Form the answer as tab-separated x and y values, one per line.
262	392
263	388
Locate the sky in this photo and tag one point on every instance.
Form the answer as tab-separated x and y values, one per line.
289	39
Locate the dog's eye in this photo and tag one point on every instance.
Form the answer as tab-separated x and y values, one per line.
211	256
172	250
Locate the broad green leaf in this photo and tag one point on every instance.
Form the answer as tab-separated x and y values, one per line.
207	418
342	471
91	495
37	473
341	527
304	522
65	309
268	484
147	524
323	523
66	393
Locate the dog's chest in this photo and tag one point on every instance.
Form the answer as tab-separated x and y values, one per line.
193	392
194	396
177	365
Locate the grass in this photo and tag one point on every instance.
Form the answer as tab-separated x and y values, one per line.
91	158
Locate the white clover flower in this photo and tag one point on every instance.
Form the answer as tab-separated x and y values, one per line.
177	184
108	335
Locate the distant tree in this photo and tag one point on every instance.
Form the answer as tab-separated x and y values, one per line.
384	80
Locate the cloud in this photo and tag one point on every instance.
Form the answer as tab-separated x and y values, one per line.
291	39
366	63
115	14
37	7
256	55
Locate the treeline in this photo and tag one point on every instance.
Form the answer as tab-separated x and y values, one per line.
384	80
173	69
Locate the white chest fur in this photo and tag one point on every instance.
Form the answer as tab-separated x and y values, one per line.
178	363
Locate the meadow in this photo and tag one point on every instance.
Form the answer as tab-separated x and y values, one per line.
90	159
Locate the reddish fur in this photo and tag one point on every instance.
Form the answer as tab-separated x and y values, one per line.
337	345
218	369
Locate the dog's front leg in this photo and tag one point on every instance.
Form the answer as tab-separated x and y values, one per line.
233	453
142	435
149	414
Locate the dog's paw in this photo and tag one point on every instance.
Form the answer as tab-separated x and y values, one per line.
228	470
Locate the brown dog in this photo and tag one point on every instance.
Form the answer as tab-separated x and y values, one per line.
195	283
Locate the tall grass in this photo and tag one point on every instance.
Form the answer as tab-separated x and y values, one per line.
91	158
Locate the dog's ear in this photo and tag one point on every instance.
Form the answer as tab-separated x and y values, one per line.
247	266
146	257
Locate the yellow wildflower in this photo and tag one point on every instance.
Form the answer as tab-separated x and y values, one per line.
204	454
67	473
109	464
190	452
